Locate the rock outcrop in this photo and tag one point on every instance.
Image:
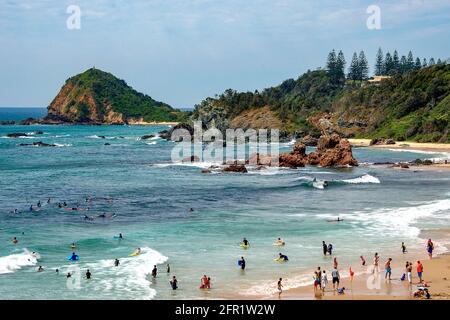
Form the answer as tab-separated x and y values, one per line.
37	144
239	168
381	141
332	151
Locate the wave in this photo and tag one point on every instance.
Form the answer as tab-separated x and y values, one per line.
130	278
151	143
367	178
61	145
16	261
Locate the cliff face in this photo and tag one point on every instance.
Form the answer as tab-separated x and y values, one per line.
97	97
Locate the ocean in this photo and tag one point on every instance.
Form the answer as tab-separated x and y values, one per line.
147	198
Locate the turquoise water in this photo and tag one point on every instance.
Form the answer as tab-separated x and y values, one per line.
150	198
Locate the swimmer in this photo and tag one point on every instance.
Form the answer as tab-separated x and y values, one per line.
48	200
245	242
280	242
102	215
116	262
57	271
14	240
39	204
31	208
120	236
15	211
168	268
282	257
242	263
88	274
68	275
73	246
40	269
59	205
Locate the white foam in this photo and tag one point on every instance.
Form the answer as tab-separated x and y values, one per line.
131	277
151	143
60	145
16	261
367	178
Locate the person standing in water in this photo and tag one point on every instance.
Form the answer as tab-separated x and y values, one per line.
430	248
242	263
174	283
376	260
88	274
154	271
14	240
245	242
325	248
330	249
39	204
387	267
280	287
403	248
168	268
116	262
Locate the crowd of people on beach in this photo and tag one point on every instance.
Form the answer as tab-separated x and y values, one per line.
320	277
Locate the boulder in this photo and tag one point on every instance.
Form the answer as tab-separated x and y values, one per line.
167	134
206	171
381	141
192	158
239	168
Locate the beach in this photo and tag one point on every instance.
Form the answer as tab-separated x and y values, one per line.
436	275
403	145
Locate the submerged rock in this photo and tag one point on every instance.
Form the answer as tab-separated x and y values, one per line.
17	135
147	136
37	144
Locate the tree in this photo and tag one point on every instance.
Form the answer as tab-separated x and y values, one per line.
439	61
403	65
388	64
431	62
410	62
395	63
363	67
353	71
340	69
417	64
331	62
424	63
379	63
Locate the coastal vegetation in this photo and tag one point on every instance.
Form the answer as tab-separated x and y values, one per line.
411	101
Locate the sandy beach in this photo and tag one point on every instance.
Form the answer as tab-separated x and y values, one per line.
143	123
404	145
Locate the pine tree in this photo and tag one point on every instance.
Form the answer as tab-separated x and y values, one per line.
431	62
363	67
395	63
417	64
424	63
403	65
439	61
379	63
388	64
410	62
331	63
340	68
353	70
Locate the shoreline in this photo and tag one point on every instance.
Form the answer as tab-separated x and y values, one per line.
404	145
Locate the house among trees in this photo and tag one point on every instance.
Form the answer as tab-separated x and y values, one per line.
378	79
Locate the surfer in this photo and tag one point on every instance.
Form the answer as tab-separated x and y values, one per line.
174	283
116	262
120	236
154	271
73	257
31	208
88	274
282	257
39	204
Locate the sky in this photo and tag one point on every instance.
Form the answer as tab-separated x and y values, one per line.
182	51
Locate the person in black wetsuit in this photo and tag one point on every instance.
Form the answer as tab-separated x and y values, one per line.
174	283
88	274
154	271
325	248
39	204
242	263
116	262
